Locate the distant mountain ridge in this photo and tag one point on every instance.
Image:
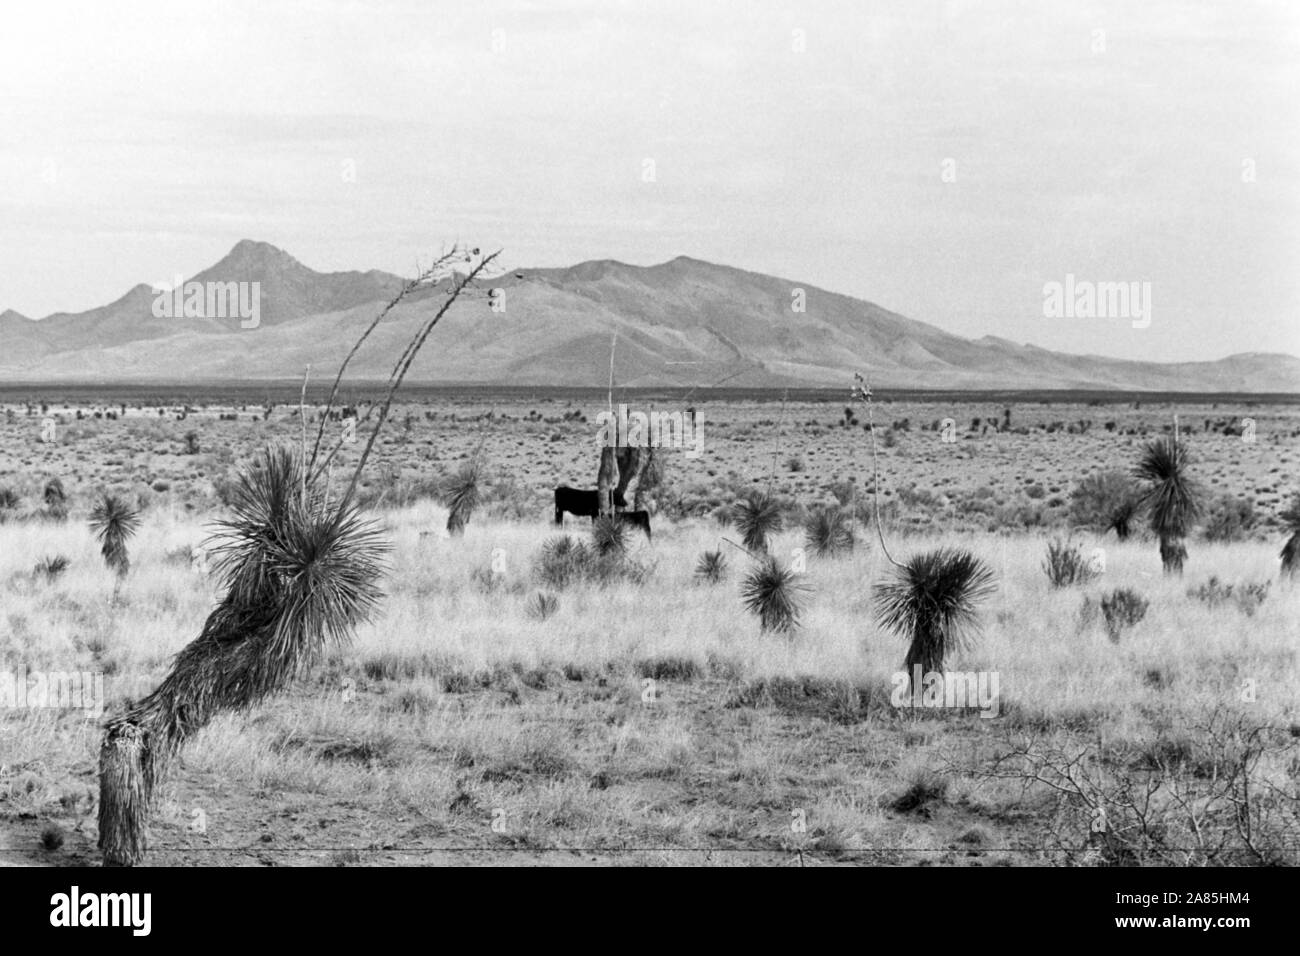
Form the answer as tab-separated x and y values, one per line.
681	322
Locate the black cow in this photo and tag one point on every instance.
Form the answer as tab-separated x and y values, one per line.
580	502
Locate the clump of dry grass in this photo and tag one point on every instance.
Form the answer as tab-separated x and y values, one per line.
1122	608
1065	564
542	605
1247	596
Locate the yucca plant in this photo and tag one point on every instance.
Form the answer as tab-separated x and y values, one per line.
758	517
462	495
1169	497
542	605
931	602
828	532
56	499
563	561
114	522
609	536
51	566
712	567
770	591
300	570
299	573
1291	550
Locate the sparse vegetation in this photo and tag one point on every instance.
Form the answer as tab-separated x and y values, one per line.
1066	564
1121	609
1105	501
1229	518
492	688
1246	596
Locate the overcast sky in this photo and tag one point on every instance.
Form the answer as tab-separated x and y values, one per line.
1122	142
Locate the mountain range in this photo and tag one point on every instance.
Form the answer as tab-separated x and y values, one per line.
682	322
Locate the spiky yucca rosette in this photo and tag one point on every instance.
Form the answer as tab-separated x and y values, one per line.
299	573
930	601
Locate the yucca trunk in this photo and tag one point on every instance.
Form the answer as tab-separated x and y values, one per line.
925	650
1172	554
607	480
125	789
219	671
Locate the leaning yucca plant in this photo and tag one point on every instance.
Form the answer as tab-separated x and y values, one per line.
463	495
1291	550
828	532
931	602
300	570
114	522
299	573
712	567
770	592
1169	496
758	517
